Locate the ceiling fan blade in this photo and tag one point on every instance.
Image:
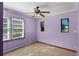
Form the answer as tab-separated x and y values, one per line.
41	14
44	11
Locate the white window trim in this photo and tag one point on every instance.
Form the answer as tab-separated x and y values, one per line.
18	28
8	27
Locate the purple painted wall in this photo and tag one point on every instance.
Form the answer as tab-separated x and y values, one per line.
78	30
52	34
30	30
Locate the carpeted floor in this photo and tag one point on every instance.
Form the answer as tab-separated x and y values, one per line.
40	49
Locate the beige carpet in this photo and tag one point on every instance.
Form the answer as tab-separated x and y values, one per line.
40	49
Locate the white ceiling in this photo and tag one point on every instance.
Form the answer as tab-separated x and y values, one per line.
28	7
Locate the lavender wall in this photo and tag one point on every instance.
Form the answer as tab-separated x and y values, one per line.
30	30
52	34
78	30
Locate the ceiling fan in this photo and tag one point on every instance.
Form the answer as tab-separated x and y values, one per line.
39	12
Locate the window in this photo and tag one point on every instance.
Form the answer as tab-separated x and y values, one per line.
42	25
65	25
6	27
17	28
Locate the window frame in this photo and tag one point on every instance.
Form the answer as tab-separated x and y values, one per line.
65	25
8	29
18	28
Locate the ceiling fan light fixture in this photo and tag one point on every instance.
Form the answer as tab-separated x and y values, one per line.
38	15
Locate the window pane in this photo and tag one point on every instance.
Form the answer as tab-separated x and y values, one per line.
5	20
4	25
5	31
17	30
17	22
17	35
17	26
65	22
